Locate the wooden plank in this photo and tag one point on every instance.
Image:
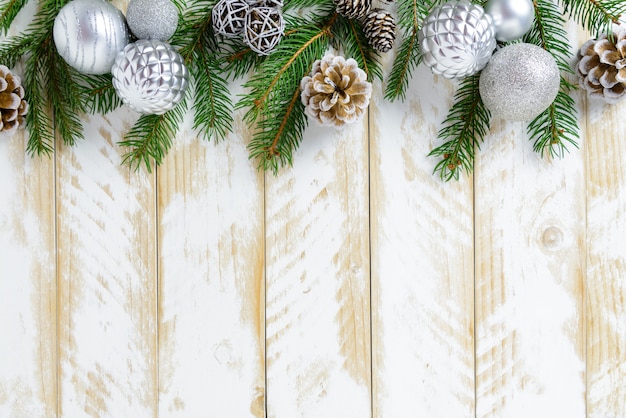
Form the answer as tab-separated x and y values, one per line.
107	277
530	233
606	260
422	262
318	311
211	268
28	382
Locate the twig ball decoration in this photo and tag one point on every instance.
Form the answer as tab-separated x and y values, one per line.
520	82
13	107
511	18
88	35
150	76
152	19
457	39
264	29
336	92
266	3
601	67
229	17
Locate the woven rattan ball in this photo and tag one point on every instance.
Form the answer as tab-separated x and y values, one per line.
229	17
264	28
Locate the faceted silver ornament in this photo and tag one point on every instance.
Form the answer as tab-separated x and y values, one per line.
457	39
150	76
89	34
152	19
511	18
520	81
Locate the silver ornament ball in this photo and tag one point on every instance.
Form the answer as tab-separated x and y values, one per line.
152	19
88	35
150	76
457	39
511	18
520	81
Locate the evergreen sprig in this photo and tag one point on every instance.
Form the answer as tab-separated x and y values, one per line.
348	35
555	128
464	128
596	16
9	10
273	92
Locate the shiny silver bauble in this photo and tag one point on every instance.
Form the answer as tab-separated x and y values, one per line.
150	76
457	39
152	19
511	18
520	82
89	34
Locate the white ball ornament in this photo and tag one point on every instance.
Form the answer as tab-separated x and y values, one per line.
150	76
511	18
520	81
152	19
88	35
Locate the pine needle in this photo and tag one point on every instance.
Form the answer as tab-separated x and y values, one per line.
597	16
348	34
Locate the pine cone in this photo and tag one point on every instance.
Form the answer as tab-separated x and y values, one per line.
13	107
380	29
337	91
601	67
353	9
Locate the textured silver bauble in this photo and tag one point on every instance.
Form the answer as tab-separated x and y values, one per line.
152	19
520	81
457	39
511	18
88	34
150	76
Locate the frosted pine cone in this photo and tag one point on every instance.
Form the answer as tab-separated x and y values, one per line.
13	107
601	67
337	91
380	29
353	9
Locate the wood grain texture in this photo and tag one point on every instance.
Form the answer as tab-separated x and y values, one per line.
211	291
27	283
107	277
606	260
422	262
530	220
318	293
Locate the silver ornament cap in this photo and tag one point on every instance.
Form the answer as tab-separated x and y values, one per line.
150	76
457	39
511	18
520	81
88	35
152	19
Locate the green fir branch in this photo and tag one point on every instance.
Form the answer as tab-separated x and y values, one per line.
409	17
38	120
13	49
348	35
597	16
9	9
274	91
464	129
555	128
311	6
238	58
151	137
97	93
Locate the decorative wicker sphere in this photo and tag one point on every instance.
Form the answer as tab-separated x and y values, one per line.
229	17
264	29
457	39
88	35
152	19
150	76
266	3
520	81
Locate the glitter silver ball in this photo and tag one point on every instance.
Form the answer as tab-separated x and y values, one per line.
457	39
511	18
520	81
150	76
89	34
152	19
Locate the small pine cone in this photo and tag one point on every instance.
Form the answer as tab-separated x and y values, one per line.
13	107
337	91
353	9
601	67
380	29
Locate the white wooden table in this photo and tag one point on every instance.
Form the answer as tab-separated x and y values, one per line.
355	284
